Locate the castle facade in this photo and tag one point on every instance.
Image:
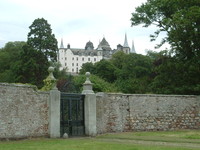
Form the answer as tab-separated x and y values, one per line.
72	59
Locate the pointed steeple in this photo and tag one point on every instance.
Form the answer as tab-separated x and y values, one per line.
61	44
125	41
133	48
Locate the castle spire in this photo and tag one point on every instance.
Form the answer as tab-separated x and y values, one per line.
133	47
125	41
61	44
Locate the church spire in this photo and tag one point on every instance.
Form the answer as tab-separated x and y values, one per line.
133	47
61	44
125	41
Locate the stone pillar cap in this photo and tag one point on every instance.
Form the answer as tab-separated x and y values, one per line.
87	86
87	81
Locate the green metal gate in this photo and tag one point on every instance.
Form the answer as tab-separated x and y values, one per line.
72	114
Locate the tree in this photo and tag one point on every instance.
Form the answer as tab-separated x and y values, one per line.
176	72
180	19
41	38
105	70
130	73
58	74
31	67
87	67
118	59
172	76
9	55
134	75
99	85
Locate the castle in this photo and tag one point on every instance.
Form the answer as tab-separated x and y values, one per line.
72	59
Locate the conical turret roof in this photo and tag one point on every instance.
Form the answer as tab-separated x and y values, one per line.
125	42
61	44
133	48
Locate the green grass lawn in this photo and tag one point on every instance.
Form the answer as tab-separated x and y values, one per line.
189	136
179	140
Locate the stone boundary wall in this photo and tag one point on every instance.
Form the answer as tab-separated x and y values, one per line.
125	112
24	111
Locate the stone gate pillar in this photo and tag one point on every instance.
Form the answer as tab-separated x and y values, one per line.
54	107
89	107
54	114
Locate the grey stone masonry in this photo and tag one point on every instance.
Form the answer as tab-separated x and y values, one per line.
54	109
54	113
125	112
24	111
27	112
87	85
89	107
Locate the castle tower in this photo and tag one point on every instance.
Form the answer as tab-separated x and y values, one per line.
61	44
125	41
133	48
126	48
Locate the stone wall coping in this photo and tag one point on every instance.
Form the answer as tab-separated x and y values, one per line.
34	87
146	95
18	85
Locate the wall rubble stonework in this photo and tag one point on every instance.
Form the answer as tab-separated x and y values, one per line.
24	112
125	112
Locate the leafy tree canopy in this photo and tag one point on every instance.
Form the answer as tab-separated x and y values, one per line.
31	67
99	85
180	19
87	67
41	38
106	70
9	55
128	72
171	76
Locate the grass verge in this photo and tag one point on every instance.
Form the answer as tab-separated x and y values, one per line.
179	140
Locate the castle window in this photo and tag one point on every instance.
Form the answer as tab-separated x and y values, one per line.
76	58
65	64
76	70
88	59
72	64
65	58
76	64
83	59
72	70
95	59
72	58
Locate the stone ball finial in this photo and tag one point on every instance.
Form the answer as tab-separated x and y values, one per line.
87	86
50	69
87	78
87	74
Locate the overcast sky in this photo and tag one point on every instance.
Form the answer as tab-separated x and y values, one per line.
76	21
